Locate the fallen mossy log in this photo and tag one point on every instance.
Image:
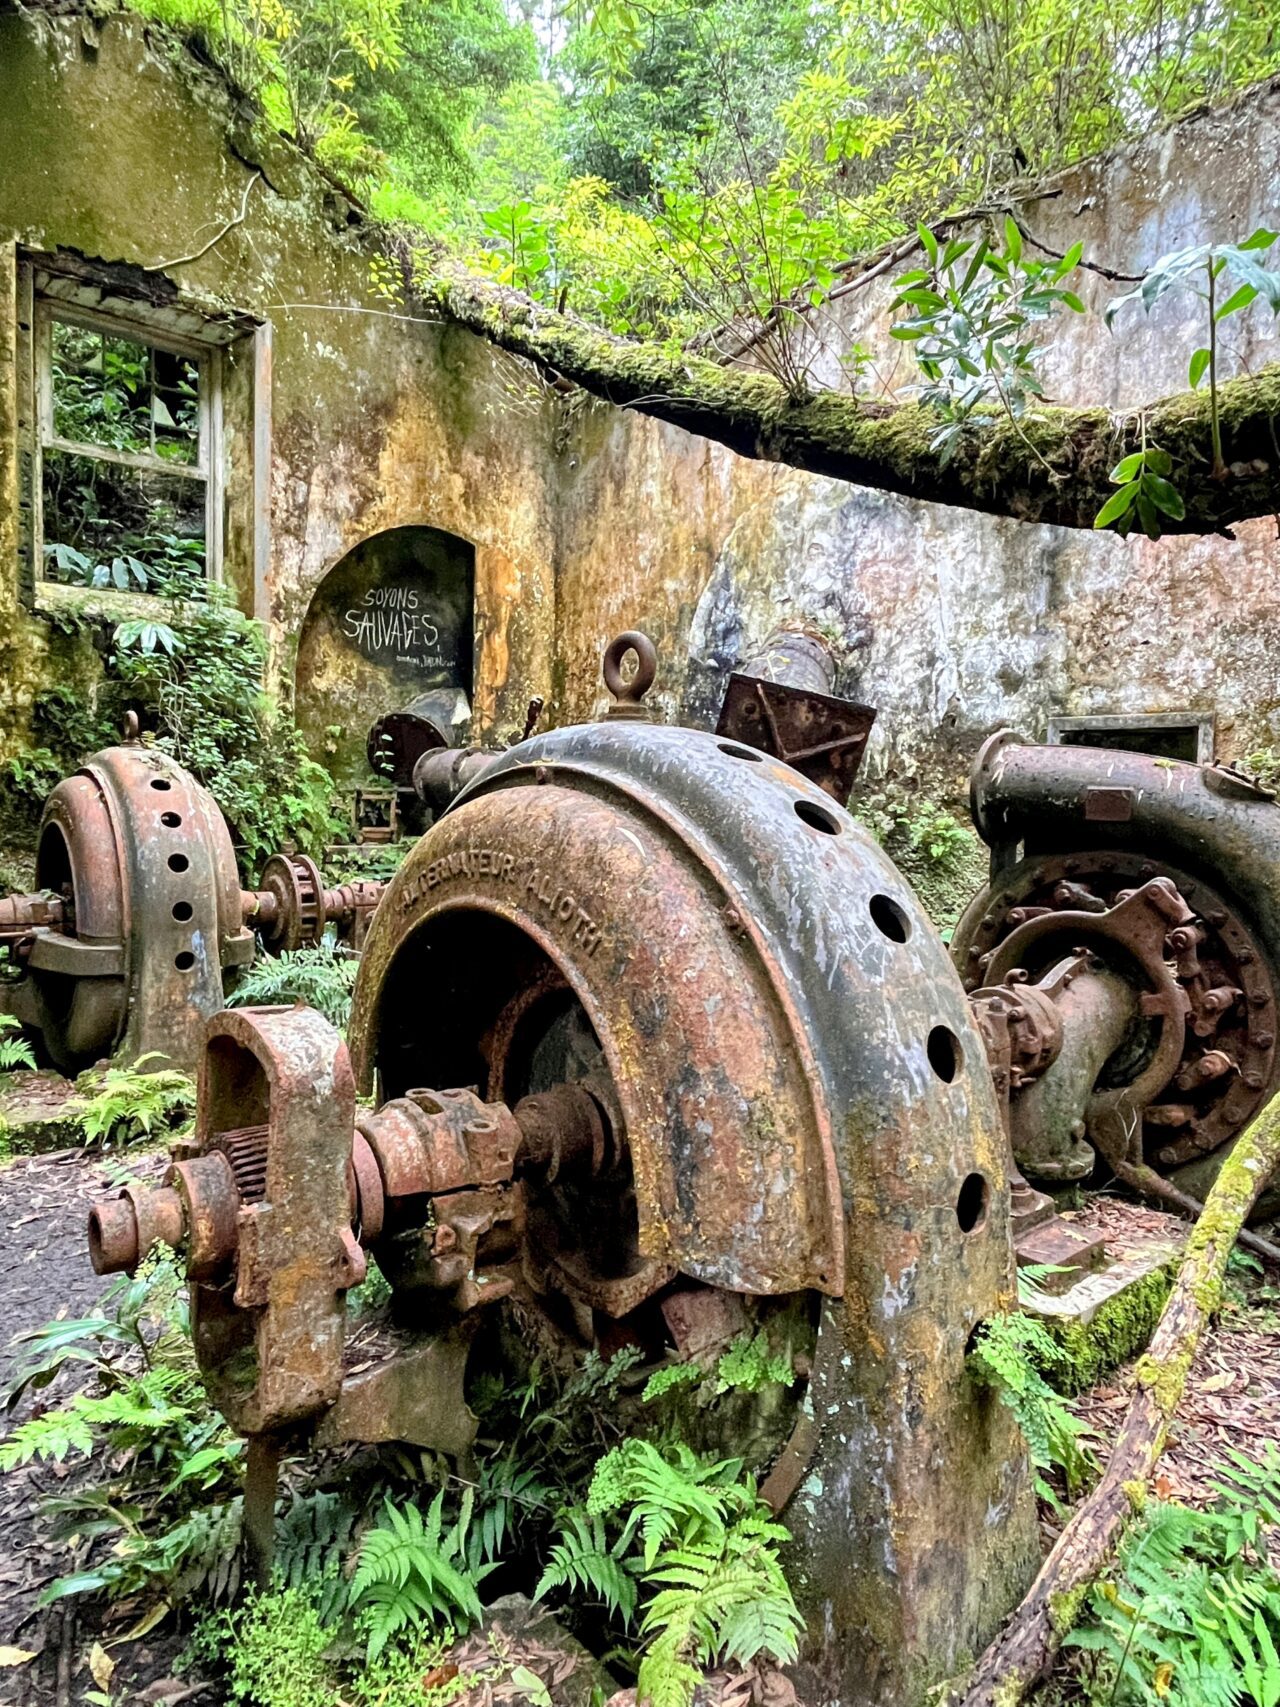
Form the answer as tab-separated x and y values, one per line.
1020	1656
1051	467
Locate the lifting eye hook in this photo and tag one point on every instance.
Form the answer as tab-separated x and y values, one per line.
627	695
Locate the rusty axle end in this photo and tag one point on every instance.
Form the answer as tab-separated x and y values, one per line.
123	1229
113	1237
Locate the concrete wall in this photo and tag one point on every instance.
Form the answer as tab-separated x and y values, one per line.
587	519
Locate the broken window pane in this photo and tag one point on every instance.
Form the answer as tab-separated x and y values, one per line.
137	529
116	392
107	522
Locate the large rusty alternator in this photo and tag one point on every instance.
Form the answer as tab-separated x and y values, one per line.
1153	885
696	1061
138	924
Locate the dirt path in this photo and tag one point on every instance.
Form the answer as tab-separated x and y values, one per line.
44	1205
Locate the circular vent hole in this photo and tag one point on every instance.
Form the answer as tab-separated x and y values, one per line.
171	820
178	862
162	783
182	911
817	817
889	919
971	1205
184	961
944	1053
741	752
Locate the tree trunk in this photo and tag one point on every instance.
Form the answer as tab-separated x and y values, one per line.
1021	1654
1052	468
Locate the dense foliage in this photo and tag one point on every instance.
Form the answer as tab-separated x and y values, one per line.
1190	1614
671	167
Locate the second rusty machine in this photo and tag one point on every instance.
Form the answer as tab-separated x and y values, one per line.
660	1046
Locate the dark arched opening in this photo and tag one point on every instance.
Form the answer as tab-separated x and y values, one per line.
391	620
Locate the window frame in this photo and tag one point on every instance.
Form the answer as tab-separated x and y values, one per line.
207	359
1200	724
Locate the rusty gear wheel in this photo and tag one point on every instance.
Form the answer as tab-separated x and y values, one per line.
298	889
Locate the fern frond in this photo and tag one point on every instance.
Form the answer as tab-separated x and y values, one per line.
665	1678
582	1559
673	1376
410	1572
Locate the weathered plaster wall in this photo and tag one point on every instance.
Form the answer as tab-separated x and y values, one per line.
953	623
587	519
121	148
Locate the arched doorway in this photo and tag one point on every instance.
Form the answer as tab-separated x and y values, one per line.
391	620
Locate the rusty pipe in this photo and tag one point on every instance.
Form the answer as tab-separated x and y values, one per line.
1047	1115
1211	822
440	776
794	658
21	914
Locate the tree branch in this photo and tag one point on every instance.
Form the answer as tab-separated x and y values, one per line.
1052	466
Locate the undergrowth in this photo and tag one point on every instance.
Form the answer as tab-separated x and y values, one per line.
684	1552
322	977
664	1556
1190	1615
943	859
1008	1355
195	680
15	1051
115	1106
158	1515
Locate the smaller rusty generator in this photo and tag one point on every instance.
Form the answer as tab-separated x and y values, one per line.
138	925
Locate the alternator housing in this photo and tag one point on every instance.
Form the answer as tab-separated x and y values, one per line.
806	1103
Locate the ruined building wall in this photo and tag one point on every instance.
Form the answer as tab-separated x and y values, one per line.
337	423
341	420
951	622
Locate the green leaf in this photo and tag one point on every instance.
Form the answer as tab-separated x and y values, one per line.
1241	299
1118	504
1199	362
929	243
531	1685
1158	461
1012	239
1164	496
1127	469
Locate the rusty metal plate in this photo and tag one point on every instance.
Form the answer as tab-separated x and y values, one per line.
1108	805
817	734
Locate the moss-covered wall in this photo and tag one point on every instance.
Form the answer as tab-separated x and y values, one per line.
118	146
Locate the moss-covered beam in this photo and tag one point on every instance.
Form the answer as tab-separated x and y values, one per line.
1052	469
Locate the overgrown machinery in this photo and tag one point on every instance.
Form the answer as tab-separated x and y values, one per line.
658	1046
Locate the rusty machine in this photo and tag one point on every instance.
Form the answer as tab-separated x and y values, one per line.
661	1046
1149	887
138	923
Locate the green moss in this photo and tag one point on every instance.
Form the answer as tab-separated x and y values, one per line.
1136	1494
1166	1378
1065	1608
1122	1326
